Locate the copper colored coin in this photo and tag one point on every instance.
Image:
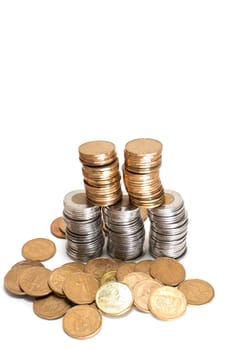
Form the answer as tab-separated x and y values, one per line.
34	281
143	266
134	277
168	271
167	303
51	307
58	227
38	249
197	291
27	262
82	321
59	275
98	266
80	287
142	291
124	269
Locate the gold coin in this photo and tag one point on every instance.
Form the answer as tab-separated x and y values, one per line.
134	277
80	287
98	266
197	291
114	298
108	276
143	213
142	291
27	262
124	269
143	147
38	249
143	266
168	271
82	321
167	303
97	153
58	227
51	307
59	275
34	281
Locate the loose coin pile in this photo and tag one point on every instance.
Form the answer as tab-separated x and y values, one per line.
82	293
169	227
101	172
85	239
124	228
141	172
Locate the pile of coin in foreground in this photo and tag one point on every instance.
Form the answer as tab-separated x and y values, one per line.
82	293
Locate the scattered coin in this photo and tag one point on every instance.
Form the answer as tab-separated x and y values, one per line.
167	303
108	276
99	266
134	277
51	307
197	291
168	271
28	263
58	227
142	291
34	281
82	321
114	298
124	269
38	249
143	266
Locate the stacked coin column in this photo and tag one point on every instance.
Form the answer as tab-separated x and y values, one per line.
169	226
124	228
85	239
141	172
101	172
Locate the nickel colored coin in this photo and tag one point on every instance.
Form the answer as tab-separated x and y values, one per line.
143	266
80	287
58	227
98	266
114	298
124	269
168	271
82	321
108	276
142	291
167	303
134	277
38	249
197	291
34	281
51	307
59	275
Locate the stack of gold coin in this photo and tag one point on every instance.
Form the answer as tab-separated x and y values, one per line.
169	226
84	233
124	228
101	172
141	172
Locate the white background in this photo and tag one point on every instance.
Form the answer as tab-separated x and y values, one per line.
76	71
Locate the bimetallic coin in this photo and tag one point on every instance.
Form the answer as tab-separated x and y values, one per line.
197	291
167	303
39	249
51	307
114	298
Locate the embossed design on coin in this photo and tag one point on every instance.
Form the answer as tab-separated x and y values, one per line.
142	291
38	249
197	291
98	266
34	281
114	298
51	307
134	277
82	321
168	271
167	303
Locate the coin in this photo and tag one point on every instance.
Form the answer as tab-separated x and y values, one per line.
108	276
142	291
143	266
80	287
34	281
167	303
197	291
58	227
168	271
114	298
28	263
38	249
124	269
51	307
82	321
98	266
134	277
97	152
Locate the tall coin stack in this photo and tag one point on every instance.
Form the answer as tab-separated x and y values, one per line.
85	239
125	230
101	172
169	226
141	172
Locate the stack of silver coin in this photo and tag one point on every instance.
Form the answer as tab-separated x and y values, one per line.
85	239
169	227
124	228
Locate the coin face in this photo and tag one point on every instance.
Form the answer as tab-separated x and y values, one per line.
58	227
114	298
143	266
167	303
168	271
51	307
134	277
124	269
197	291
82	321
108	276
38	249
97	267
34	281
142	291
